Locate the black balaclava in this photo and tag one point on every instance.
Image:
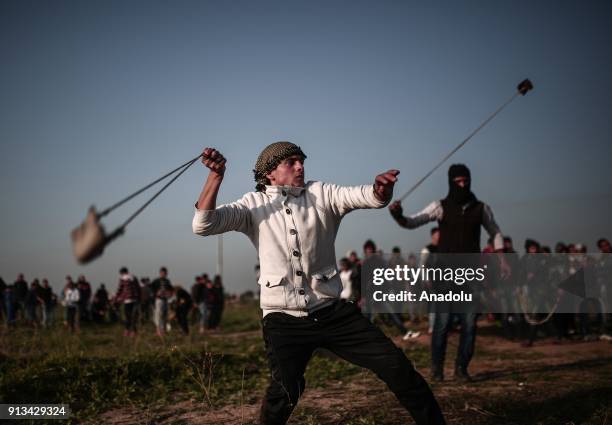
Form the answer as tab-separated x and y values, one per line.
457	194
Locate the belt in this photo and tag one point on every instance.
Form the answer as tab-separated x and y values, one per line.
325	311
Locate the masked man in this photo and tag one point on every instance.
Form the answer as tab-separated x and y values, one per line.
293	225
460	216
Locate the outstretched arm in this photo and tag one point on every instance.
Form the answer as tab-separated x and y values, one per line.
432	212
345	199
383	185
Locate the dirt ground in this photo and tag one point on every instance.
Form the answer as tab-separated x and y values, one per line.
570	383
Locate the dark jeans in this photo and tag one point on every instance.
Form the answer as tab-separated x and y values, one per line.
71	317
442	325
342	329
214	317
181	315
130	311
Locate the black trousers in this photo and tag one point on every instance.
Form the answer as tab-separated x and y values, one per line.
130	311
343	330
181	315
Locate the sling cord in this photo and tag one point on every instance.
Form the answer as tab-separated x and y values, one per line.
523	303
121	229
459	146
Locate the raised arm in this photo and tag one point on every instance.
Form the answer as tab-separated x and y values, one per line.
208	219
215	162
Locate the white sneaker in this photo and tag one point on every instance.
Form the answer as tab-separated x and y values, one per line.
411	335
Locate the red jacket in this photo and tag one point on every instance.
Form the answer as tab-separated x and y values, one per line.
128	289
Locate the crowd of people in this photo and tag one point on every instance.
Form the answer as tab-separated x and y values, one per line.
300	286
532	271
138	301
135	302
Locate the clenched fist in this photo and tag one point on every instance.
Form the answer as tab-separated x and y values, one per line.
396	209
383	184
214	161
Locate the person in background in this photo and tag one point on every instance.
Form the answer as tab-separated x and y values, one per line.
20	292
460	216
428	259
146	300
183	307
9	305
100	304
532	277
162	290
114	310
217	303
604	246
67	283
71	304
85	298
49	300
355	263
510	317
32	302
373	259
346	276
416	309
199	293
128	294
210	302
395	260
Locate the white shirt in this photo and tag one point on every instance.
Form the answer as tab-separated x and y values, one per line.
347	287
71	297
294	230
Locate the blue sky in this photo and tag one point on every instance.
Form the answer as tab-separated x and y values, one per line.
98	98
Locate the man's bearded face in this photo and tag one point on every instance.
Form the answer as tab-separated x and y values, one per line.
290	172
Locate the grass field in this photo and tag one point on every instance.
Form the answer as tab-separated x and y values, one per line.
220	378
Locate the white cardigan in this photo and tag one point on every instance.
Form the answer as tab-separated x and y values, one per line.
293	230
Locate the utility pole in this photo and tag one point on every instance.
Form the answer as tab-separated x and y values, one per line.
220	255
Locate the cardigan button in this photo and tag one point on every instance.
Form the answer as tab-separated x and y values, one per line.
284	193
299	273
301	292
288	211
293	231
296	254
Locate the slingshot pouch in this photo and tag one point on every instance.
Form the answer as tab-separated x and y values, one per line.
88	239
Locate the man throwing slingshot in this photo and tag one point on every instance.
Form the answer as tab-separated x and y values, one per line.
293	225
460	216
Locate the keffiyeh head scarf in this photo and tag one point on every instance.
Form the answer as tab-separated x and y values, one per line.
269	159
